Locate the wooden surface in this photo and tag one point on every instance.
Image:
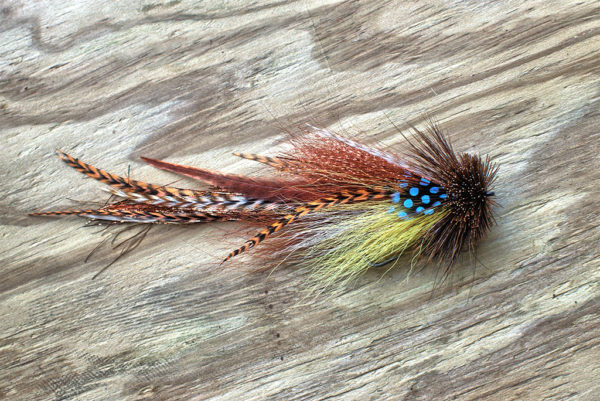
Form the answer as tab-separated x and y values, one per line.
193	81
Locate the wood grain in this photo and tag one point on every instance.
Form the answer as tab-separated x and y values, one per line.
193	81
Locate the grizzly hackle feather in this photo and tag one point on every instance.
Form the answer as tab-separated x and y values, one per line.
341	205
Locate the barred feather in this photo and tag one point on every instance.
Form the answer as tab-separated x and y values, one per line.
316	205
278	163
125	184
133	213
203	201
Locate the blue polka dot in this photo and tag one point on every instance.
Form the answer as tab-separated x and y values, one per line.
408	203
425	199
414	191
428	212
443	196
434	190
391	210
420	209
402	215
436	204
424	182
396	197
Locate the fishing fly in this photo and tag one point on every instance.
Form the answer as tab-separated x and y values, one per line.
340	206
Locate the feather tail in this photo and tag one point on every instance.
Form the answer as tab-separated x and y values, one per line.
314	206
130	214
143	192
273	190
279	163
125	184
204	201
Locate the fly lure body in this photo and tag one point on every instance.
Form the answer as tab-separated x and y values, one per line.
342	206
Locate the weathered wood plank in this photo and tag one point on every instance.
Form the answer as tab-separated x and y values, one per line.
194	81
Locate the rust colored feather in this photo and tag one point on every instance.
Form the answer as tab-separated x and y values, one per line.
328	160
272	189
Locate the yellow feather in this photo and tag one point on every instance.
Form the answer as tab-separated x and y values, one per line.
361	235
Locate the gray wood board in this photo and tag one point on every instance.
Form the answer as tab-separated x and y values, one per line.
191	82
